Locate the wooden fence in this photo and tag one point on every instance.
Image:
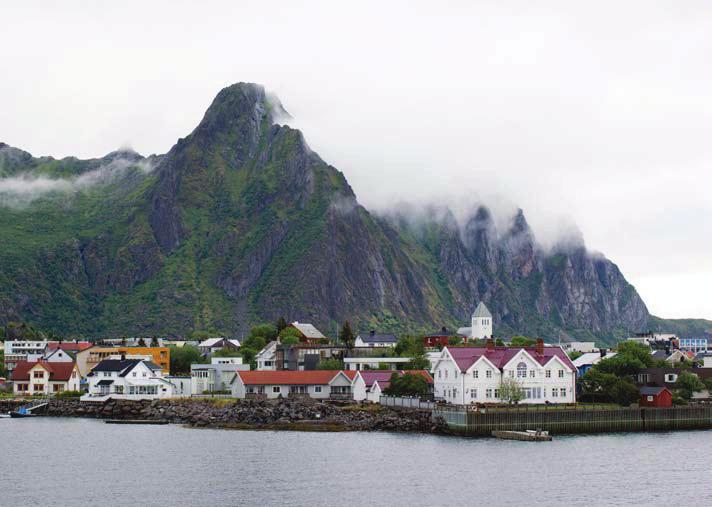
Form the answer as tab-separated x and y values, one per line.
576	420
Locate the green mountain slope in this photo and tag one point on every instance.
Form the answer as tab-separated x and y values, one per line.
241	222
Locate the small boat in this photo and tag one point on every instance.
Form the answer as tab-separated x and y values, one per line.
526	436
22	412
134	421
5	416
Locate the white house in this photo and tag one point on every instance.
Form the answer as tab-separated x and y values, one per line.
266	358
480	324
583	347
41	377
181	385
214	344
374	363
207	378
375	340
466	375
369	385
132	379
318	384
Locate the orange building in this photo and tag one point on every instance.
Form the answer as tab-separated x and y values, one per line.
88	358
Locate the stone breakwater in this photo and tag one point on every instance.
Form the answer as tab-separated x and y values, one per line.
308	415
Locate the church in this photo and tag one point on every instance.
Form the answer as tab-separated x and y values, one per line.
481	325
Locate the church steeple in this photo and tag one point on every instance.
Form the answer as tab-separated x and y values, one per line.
481	322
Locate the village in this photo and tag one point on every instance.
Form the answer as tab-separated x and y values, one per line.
467	367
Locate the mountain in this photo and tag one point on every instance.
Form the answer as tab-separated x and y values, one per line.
241	222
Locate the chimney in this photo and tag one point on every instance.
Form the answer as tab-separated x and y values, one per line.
540	346
490	344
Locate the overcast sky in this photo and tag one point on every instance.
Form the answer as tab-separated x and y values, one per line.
596	113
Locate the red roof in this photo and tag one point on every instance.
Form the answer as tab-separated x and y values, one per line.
312	377
381	376
57	371
69	346
500	356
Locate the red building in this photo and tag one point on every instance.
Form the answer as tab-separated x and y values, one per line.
440	338
655	397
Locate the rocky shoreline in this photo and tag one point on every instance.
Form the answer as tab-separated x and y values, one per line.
282	414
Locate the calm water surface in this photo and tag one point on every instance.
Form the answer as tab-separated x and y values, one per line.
70	462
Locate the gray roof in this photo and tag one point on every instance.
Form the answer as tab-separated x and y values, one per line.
660	354
482	311
651	391
377	338
308	330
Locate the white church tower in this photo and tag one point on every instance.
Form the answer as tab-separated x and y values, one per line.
481	323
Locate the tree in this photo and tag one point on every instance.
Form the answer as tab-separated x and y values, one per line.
226	352
408	384
154	342
410	346
499	342
454	340
686	384
290	340
521	341
290	332
510	391
2	363
330	364
601	385
346	336
141	342
266	331
183	357
419	362
281	324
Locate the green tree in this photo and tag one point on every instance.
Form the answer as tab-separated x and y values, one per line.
454	341
281	324
346	336
226	352
154	342
289	340
410	346
183	357
290	332
330	364
605	386
199	335
575	354
499	342
521	341
2	363
266	331
419	362
688	383
408	384
510	391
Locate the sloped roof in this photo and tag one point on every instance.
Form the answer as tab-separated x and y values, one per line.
68	346
115	365
591	358
652	391
57	371
500	356
308	330
285	377
210	342
481	311
377	338
371	376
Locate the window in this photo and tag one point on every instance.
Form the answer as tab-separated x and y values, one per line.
143	374
445	373
511	373
440	374
563	392
37	374
38	387
650	398
475	374
133	374
276	389
496	393
670	377
547	374
473	393
317	389
455	372
488	393
521	370
554	392
489	374
561	373
532	373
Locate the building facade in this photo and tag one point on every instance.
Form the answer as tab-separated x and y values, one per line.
132	379
209	378
87	359
468	375
44	378
319	384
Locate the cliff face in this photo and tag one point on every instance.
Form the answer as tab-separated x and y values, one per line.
241	221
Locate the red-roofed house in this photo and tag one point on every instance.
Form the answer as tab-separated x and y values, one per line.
369	384
465	375
41	377
318	384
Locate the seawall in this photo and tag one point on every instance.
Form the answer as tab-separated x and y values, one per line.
576	421
288	414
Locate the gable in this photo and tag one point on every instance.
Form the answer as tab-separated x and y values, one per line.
522	356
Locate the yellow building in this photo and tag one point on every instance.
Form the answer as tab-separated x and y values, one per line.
88	358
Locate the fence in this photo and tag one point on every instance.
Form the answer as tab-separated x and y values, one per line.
394	401
576	420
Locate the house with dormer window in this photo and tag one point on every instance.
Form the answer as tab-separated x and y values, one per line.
468	375
131	379
42	377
